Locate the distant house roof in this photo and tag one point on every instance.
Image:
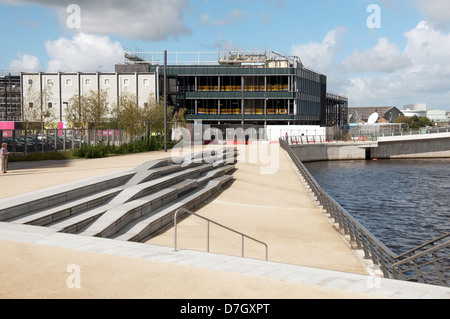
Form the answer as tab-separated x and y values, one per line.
362	114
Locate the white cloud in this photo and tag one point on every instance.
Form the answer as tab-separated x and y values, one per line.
436	12
321	56
426	79
386	74
84	53
148	20
384	57
25	63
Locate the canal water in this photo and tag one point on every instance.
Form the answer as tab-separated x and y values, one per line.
404	203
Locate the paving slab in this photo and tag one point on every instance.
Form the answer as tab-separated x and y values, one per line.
308	258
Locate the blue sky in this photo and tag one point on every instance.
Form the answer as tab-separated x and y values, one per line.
406	60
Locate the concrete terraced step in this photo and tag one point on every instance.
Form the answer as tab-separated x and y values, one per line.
51	215
149	224
104	205
75	224
17	206
118	217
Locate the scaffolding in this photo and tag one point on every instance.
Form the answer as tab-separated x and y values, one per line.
10	98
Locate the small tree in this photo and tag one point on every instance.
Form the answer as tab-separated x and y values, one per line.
88	111
128	116
35	111
154	115
414	122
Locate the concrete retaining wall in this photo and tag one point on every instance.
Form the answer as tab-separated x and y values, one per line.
388	148
331	152
413	148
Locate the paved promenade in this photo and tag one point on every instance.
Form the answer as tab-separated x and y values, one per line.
307	257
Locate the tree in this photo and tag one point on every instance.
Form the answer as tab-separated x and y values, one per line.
88	111
403	119
36	111
154	115
414	122
128	116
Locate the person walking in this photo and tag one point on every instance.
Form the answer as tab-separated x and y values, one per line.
4	157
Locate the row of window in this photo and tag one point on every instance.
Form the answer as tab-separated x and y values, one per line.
65	104
88	82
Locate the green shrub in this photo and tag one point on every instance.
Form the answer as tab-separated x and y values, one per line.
49	156
99	150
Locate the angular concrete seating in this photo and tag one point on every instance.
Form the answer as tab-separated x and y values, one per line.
39	200
115	219
149	224
47	216
108	205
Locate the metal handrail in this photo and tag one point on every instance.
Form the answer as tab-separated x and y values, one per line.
373	249
184	210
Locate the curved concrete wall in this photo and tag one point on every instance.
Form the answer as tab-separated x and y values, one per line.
388	148
331	152
424	148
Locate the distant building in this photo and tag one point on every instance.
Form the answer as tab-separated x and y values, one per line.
438	116
10	99
53	91
387	114
419	110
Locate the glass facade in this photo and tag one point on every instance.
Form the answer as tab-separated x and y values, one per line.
260	95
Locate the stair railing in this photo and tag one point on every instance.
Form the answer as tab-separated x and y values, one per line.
183	211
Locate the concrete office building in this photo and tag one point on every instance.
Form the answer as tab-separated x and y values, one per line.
242	88
55	90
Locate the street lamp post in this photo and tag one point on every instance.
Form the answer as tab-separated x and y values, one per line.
165	101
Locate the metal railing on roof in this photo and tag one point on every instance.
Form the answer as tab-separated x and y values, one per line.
138	56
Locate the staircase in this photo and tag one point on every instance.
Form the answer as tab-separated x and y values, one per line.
129	206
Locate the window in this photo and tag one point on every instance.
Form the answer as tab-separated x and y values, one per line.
49	82
145	82
30	105
30	81
87	82
126	82
68	82
146	105
107	82
50	105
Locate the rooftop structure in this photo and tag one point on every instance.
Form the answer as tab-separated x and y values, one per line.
229	58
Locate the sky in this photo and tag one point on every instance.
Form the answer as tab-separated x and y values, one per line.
377	53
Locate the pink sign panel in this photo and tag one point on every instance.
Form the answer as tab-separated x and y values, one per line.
7	127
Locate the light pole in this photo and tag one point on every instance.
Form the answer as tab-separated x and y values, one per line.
165	101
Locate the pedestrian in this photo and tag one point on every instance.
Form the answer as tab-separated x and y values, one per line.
287	137
4	157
